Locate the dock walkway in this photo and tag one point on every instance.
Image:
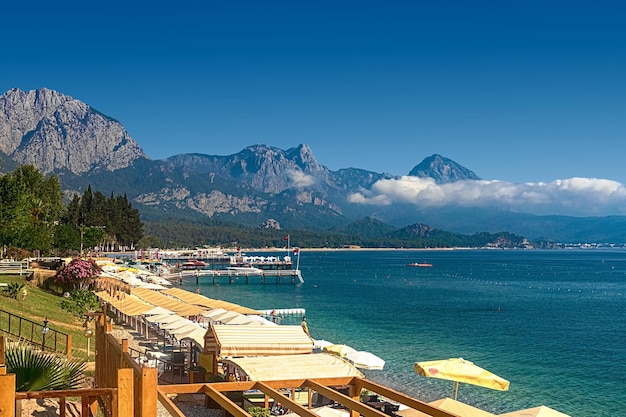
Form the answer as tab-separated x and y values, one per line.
233	275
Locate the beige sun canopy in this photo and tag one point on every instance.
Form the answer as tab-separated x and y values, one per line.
161	300
209	303
128	305
284	367
256	340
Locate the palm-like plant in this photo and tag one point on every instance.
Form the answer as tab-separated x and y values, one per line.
39	371
14	289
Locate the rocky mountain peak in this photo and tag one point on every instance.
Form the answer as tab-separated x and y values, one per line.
56	132
303	156
442	170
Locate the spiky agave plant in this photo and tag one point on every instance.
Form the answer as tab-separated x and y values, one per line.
40	371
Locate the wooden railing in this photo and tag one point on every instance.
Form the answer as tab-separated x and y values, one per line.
31	332
127	388
113	401
284	391
15	268
119	400
112	357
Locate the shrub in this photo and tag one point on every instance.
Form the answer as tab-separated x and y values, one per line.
79	302
15	290
258	411
78	274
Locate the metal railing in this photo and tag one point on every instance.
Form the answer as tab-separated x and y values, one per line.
36	333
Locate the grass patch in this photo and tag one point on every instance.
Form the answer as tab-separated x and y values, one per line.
40	304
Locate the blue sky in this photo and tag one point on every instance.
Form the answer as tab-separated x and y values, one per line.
520	92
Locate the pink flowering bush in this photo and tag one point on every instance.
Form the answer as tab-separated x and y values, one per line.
78	274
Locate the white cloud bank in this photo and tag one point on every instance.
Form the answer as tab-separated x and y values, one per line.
300	179
573	196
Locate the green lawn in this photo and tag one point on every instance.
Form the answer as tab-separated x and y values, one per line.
40	304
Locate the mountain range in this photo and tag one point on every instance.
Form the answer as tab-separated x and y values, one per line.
260	185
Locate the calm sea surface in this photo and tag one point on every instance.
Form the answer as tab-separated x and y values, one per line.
551	322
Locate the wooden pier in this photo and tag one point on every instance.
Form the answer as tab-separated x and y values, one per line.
230	276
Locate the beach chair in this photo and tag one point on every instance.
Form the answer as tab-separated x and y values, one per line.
178	361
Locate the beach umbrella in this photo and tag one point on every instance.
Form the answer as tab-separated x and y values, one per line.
365	360
187	328
339	350
321	344
176	324
213	313
460	370
460	409
541	411
237	319
163	318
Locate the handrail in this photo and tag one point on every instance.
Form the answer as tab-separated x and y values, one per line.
17	268
31	332
89	398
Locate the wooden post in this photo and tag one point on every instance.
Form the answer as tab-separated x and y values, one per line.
125	402
1	351
149	383
68	344
93	405
355	395
7	399
124	350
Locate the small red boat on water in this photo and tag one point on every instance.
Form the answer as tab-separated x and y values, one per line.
192	264
419	264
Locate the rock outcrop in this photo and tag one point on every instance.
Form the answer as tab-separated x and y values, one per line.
56	132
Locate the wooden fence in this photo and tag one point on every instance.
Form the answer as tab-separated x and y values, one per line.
127	388
112	357
118	399
15	268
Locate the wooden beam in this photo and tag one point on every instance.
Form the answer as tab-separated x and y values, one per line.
232	408
7	399
404	399
169	405
344	400
292	405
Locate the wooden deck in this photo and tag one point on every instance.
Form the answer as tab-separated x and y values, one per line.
232	276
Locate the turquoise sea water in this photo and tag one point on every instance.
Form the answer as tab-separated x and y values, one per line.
551	322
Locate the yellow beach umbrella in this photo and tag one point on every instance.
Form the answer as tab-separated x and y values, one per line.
460	409
460	370
541	411
339	350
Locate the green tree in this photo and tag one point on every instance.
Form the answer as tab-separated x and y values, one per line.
93	236
67	237
30	208
149	242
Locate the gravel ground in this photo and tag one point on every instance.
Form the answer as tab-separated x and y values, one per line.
191	406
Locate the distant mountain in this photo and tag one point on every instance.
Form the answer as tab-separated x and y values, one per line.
442	170
55	132
367	227
61	135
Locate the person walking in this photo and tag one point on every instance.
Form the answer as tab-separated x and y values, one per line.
305	326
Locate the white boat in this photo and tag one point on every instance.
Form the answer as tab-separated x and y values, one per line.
246	270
